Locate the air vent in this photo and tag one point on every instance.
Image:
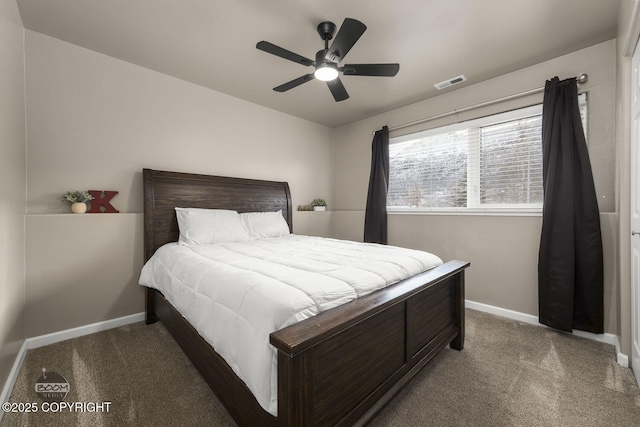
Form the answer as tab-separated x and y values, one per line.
454	81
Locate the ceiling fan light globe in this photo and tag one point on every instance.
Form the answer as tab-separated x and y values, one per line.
325	73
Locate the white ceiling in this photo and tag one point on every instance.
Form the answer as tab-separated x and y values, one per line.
212	43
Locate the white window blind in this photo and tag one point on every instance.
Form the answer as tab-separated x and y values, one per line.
489	164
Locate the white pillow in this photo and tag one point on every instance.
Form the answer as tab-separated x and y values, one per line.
265	224
208	226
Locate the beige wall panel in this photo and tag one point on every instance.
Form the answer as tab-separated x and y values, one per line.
12	175
348	225
312	223
82	269
95	122
609	227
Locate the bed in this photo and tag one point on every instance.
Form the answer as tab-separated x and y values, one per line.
339	367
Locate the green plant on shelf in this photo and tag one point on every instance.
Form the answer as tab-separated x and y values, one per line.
318	202
77	196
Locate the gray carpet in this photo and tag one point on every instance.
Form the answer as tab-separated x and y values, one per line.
509	374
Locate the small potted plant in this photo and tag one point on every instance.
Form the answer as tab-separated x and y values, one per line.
78	200
319	205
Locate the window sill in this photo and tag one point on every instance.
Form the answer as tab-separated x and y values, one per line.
466	212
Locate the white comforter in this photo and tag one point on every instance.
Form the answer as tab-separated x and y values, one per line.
236	294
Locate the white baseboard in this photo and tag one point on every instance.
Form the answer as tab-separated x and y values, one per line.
55	337
621	358
13	376
607	338
503	312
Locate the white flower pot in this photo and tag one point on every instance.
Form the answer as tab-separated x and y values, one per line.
78	207
319	208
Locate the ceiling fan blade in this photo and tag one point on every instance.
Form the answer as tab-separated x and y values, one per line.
382	70
283	53
294	83
347	36
337	90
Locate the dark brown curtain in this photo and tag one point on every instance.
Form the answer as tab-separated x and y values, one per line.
375	218
570	265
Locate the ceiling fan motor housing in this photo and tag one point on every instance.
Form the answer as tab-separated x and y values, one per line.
320	57
326	30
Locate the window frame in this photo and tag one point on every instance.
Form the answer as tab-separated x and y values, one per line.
533	209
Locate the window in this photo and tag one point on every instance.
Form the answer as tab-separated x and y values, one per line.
491	164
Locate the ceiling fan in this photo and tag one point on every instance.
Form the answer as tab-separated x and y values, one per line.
327	59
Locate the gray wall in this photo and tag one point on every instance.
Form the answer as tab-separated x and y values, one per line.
503	250
12	175
93	123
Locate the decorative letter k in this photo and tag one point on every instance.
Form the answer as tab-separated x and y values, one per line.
102	201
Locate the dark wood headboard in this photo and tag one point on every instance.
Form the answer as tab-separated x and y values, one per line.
164	191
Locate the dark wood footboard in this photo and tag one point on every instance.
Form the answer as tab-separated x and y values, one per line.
342	366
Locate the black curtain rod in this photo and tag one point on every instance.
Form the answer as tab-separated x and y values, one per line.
582	78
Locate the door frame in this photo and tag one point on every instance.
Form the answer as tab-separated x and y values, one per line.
634	214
